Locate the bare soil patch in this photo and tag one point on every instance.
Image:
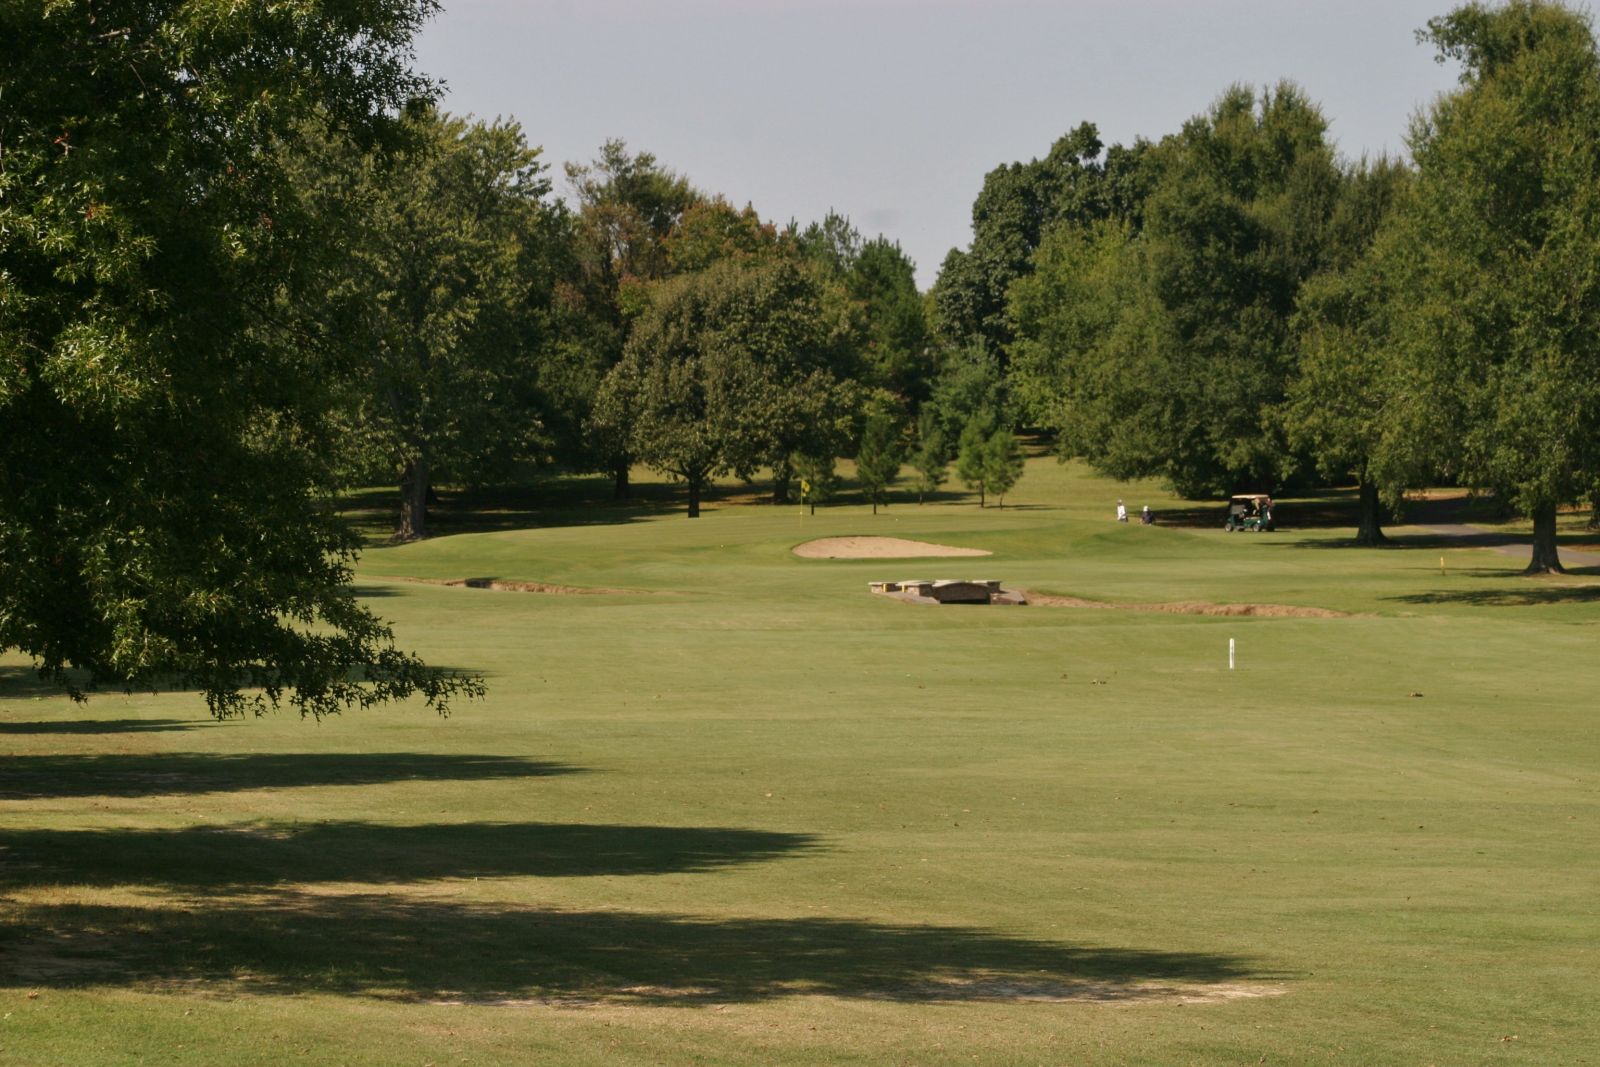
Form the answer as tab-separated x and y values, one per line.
953	990
509	587
1190	607
1067	992
879	548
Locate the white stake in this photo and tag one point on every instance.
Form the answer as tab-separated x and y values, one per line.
1230	653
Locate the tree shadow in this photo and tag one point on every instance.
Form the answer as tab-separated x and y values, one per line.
1400	541
1527	594
21	683
397	948
233	857
26	682
180	773
562	501
103	726
1298	509
1191	516
1467	538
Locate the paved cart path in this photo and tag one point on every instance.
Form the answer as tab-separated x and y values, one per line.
1519	549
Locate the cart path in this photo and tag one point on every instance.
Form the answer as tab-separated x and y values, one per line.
1521	547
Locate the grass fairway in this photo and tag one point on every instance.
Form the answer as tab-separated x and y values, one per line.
743	812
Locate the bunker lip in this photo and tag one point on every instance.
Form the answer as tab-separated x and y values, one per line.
873	547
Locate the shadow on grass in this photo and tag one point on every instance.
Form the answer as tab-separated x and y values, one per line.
25	682
368	591
380	946
1192	516
20	683
1526	595
1305	509
1467	538
571	501
234	857
101	726
37	777
1416	541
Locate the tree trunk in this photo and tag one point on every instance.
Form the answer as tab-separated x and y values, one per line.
619	475
1370	531
414	488
694	496
1594	509
1546	560
782	475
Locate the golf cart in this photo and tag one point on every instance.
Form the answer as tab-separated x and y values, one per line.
1249	511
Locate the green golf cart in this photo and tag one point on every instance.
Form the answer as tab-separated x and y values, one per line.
1249	511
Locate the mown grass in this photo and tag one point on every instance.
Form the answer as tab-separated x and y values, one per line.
744	812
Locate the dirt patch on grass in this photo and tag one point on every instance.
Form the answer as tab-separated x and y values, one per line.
955	990
878	548
1047	992
1190	607
503	586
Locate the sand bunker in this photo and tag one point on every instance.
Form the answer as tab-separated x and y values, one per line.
1191	607
878	548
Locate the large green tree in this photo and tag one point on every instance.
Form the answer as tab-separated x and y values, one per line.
890	317
1340	402
730	369
1169	346
451	279
897	352
163	513
1078	181
1499	314
628	205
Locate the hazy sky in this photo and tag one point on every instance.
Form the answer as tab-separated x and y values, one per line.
891	111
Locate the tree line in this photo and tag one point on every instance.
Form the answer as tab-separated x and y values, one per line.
645	322
246	260
1234	305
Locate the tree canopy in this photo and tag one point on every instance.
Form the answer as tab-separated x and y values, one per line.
730	369
1166	349
1499	304
449	275
163	509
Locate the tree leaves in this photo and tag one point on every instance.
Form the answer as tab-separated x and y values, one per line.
163	514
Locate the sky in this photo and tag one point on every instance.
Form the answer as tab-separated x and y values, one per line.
891	111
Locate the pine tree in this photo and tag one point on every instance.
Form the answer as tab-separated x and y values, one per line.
879	457
932	457
1002	463
970	466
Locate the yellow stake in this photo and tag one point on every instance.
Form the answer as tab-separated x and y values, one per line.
1441	566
